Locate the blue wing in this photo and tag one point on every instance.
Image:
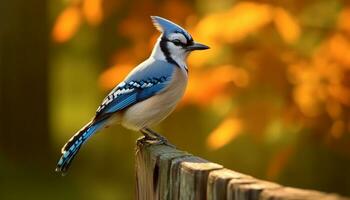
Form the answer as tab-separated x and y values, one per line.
149	78
146	80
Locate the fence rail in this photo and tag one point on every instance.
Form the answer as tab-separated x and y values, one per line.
163	173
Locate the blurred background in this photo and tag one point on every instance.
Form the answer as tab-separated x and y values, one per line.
271	98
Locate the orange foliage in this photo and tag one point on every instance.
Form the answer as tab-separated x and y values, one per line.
343	20
339	49
205	86
235	24
321	86
318	82
70	19
66	24
114	75
229	26
92	10
286	25
227	131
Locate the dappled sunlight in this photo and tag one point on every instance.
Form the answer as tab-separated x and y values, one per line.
339	49
114	75
286	25
92	10
206	85
227	131
69	20
242	20
67	24
234	24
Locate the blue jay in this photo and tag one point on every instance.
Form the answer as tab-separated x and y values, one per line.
147	95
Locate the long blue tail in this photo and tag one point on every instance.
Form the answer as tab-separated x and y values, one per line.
71	148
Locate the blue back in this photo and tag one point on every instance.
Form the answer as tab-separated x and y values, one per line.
147	79
150	68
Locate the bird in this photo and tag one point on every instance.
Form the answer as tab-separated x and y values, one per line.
147	95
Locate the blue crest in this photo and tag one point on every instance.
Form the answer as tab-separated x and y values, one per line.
165	26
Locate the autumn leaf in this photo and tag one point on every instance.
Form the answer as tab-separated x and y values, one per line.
67	24
286	25
92	10
227	131
114	75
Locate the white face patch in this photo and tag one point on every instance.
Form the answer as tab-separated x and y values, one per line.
175	48
178	54
178	36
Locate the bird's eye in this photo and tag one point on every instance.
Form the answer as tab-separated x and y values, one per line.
177	42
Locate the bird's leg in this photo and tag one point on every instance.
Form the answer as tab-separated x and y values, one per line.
159	137
148	138
147	134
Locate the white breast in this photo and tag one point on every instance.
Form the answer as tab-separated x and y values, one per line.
154	109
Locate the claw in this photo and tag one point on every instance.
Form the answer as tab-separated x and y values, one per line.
152	137
164	141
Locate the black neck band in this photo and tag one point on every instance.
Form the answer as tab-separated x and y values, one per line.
165	50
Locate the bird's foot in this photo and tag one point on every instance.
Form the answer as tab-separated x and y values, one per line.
163	141
145	140
152	137
156	141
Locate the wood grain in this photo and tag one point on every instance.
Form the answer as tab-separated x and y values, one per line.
166	173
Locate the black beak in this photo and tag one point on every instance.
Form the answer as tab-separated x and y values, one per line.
197	46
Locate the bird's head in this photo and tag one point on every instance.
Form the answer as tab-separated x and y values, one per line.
175	43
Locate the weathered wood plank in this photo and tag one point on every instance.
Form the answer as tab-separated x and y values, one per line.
167	182
218	181
248	188
193	178
287	193
165	173
152	170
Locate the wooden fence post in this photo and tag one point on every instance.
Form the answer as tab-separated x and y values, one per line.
166	173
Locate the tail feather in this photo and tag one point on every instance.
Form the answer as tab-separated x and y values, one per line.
71	148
